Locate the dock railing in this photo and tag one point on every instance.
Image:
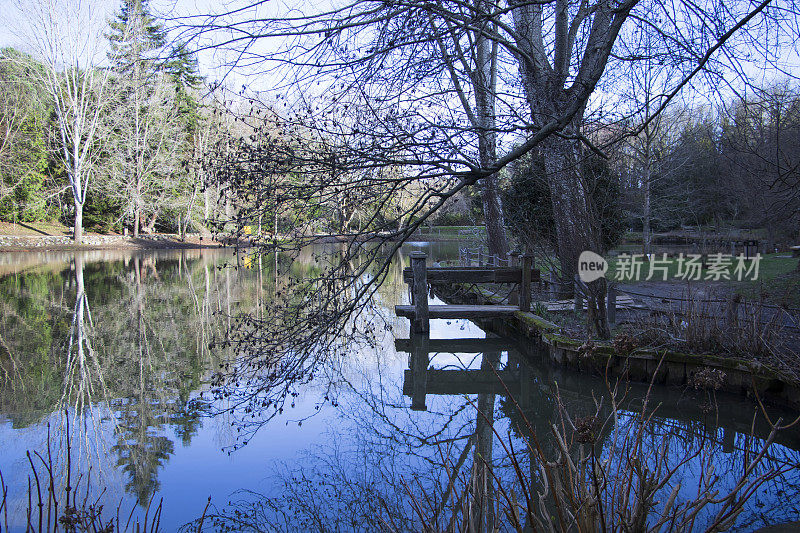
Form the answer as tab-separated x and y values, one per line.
420	275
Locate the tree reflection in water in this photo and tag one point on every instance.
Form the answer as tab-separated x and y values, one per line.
120	347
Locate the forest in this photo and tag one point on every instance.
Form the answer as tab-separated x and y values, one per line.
133	145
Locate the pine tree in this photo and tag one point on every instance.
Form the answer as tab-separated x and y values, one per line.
141	122
156	120
136	39
183	70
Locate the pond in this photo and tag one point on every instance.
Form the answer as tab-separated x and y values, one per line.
109	360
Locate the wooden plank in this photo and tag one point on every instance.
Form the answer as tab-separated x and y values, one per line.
458	345
472	275
464	382
459	311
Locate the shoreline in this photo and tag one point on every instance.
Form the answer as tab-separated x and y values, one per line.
158	241
155	241
747	378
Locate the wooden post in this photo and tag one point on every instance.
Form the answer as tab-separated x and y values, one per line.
419	371
525	385
555	285
525	287
728	439
513	296
611	304
578	295
420	292
732	311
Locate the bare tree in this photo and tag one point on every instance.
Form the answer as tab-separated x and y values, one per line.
143	139
66	37
650	153
759	139
377	84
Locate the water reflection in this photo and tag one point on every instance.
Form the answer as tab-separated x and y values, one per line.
122	341
688	431
121	345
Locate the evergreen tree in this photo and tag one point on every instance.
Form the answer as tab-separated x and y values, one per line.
24	158
145	136
183	70
156	118
136	39
529	207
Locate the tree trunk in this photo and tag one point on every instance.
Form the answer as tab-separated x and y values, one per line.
493	217
484	81
77	230
136	221
577	228
577	224
151	224
482	510
646	233
647	180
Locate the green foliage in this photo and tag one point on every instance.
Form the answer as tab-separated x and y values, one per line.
30	324
24	158
529	209
184	72
26	175
135	37
526	199
453	218
102	212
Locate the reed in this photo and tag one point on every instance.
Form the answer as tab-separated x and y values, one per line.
68	504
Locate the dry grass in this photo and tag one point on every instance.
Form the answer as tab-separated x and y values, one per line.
734	327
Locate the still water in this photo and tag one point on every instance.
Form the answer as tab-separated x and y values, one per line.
123	346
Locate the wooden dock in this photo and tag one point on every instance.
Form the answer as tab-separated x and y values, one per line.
459	311
447	382
419	275
420	380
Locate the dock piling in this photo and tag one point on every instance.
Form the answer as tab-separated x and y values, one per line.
419	371
611	304
419	291
578	295
525	286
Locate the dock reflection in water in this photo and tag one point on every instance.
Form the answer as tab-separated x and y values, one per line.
697	428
